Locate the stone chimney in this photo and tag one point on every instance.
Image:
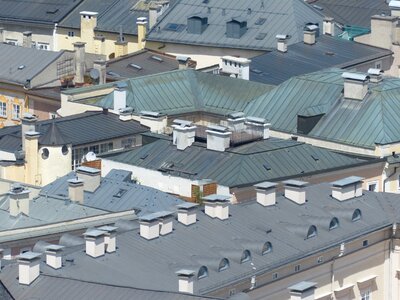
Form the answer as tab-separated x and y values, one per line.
28	123
183	62
375	75
183	134
237	66
309	36
28	267
149	226
282	40
76	190
94	240
266	193
27	39
187	213
101	65
217	206
328	26
54	256
258	124
90	176
88	25
303	291
218	138
394	8
19	200
186	279
110	238
347	188
120	88
142	28
355	85
155	120
295	191
80	67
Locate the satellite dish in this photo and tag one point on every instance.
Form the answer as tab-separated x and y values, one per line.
90	156
94	74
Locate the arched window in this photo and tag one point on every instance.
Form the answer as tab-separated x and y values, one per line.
334	223
267	248
356	215
246	256
223	265
64	150
45	153
312	232
203	272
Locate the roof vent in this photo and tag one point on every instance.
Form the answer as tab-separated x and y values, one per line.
218	138
187	213
217	206
94	239
266	193
282	40
54	256
295	191
375	75
355	85
183	134
347	188
28	267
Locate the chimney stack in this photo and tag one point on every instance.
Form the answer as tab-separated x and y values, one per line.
94	239
309	35
259	124
110	238
142	28
166	222
120	88
80	67
28	123
100	66
75	190
19	200
154	12
355	85
187	213
90	176
375	75
183	134
1	34
282	40
186	278
266	193
347	188
54	256
217	206
295	190
303	291
236	121
155	120
149	226
183	62
28	267
218	138
27	39
238	66
394	8
328	26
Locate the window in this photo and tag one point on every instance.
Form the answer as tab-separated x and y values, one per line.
3	109
64	150
16	113
94	149
365	243
106	147
246	256
372	186
12	42
71	33
297	268
320	259
223	265
275	276
312	232
42	46
203	272
356	215
334	224
366	295
128	143
266	248
45	153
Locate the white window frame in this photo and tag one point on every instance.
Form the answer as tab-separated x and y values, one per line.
3	109
366	294
16	111
42	46
12	42
373	183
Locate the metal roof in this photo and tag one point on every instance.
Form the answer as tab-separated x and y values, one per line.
276	17
276	67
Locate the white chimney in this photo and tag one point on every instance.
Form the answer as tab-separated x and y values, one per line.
282	40
149	226
218	138
1	34
154	12
80	67
236	121
186	279
258	124
110	238
217	206
90	176
328	26
166	222
375	75
28	123
295	191
183	134
155	120
100	65
75	190
394	8
355	85
54	256
187	213
347	188
237	66
28	267
303	291
309	37
266	193
120	95
27	39
19	200
183	62
94	240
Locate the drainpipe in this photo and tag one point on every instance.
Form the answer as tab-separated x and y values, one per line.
391	248
341	253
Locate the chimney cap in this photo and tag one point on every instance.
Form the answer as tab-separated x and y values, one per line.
311	27
154	114
347	181
79	44
89	170
28	117
93	233
108	228
141	20
182	58
236	115
376	72
355	76
256	120
27	33
295	183
54	248
29	256
185	273
302	286
121	84
218	128
155	216
75	181
187	206
182	123
282	37
265	185
328	19
394	4
88	13
216	198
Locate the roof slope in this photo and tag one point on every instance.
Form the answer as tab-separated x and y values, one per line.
277	17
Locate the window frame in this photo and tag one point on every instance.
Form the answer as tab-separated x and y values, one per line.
16	113
3	109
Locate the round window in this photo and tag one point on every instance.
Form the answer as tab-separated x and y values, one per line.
45	153
64	150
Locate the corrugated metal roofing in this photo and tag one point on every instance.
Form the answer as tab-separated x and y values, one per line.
279	17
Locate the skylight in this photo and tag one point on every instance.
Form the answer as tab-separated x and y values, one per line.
260	21
261	36
175	27
159	59
120	193
135	66
267	166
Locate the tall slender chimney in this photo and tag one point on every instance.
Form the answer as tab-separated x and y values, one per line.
120	95
101	65
80	67
142	28
27	39
28	123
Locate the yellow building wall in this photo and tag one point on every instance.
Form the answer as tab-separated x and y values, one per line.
13	172
11	99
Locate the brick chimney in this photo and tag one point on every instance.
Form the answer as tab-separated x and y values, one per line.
183	134
90	176
76	190
54	256
28	267
94	240
295	191
218	138
217	206
186	279
282	40
110	239
27	39
266	193
347	188
355	85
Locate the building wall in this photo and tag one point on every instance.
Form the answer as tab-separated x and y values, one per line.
56	165
40	33
11	99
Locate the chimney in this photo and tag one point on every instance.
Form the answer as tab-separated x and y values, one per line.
183	62
75	190
28	267
28	123
100	66
186	278
187	213
31	157
120	88
295	191
91	178
347	188
155	120
142	28
328	26
236	121
309	36
27	39
218	138
394	8
355	85
94	239
237	66
149	226
88	25
183	134
282	42
258	124
121	46
375	75
154	12
19	200
166	222
1	34
80	67
266	193
217	206
303	291
54	256
109	238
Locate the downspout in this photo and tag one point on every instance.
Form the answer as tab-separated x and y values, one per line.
391	248
341	253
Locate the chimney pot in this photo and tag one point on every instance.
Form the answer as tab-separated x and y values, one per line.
294	190
187	213
217	206
266	193
28	267
94	239
347	188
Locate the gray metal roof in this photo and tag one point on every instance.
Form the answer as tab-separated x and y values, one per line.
276	67
244	165
268	20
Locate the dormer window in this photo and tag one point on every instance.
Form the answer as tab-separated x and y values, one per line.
236	28
356	215
267	248
223	265
334	224
312	232
197	24
246	256
203	272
